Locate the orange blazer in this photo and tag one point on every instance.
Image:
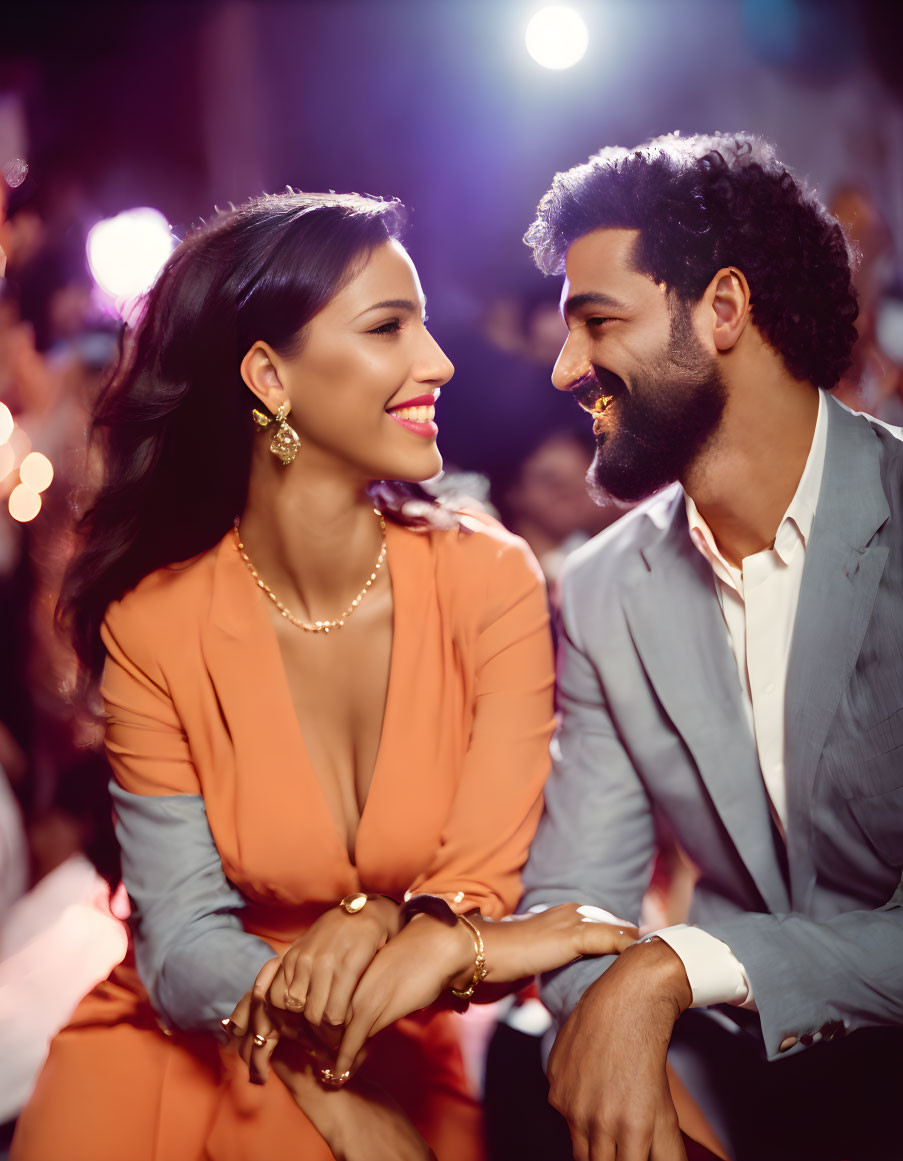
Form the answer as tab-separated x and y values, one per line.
198	703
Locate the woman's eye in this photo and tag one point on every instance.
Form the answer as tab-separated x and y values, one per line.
387	328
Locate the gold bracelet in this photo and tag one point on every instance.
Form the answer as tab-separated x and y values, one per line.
356	902
479	963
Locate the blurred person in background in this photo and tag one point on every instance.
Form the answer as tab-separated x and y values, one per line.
540	494
63	935
731	661
59	862
328	721
503	422
874	380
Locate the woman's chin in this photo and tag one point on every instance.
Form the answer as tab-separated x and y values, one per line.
415	471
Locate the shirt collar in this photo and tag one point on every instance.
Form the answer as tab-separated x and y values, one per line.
796	524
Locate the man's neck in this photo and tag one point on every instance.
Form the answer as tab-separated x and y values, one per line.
744	481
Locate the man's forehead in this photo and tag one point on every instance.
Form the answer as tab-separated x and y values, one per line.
600	270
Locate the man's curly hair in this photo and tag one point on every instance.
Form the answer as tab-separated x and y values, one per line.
705	202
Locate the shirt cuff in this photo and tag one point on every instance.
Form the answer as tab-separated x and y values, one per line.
716	975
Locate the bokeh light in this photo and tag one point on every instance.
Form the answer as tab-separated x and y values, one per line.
6	423
24	503
126	253
36	471
556	37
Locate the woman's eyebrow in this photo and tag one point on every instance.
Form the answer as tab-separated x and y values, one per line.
396	304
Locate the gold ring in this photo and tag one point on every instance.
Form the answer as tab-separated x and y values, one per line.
260	1040
354	903
329	1078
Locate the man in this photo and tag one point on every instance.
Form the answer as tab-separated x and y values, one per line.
731	663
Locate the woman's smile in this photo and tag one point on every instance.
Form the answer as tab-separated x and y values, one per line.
417	414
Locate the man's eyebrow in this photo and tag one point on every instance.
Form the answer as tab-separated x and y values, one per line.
597	298
397	304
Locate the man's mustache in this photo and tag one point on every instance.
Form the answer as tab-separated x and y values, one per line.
600	382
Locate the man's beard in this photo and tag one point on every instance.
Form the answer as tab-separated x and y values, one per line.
662	422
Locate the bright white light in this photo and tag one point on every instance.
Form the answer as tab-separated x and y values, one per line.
36	471
24	503
6	423
126	253
556	37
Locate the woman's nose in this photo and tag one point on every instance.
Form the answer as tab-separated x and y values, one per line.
435	365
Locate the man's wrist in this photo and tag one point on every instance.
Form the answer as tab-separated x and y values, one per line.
657	966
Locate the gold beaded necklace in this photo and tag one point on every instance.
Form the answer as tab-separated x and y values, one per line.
315	626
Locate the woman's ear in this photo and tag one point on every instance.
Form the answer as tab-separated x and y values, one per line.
729	293
258	370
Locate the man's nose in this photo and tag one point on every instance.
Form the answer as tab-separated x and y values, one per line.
572	364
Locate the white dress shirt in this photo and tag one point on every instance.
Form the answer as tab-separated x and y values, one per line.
758	601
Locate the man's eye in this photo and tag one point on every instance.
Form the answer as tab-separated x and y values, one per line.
597	322
387	328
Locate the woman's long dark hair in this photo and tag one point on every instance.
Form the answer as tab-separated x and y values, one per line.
175	414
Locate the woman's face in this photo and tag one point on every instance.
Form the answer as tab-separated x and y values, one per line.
364	384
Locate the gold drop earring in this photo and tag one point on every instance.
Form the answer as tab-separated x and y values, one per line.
285	442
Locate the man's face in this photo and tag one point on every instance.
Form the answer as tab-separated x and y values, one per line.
633	360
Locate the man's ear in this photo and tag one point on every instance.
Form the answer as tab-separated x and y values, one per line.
258	369
729	294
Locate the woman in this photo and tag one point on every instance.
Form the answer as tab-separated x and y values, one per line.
340	694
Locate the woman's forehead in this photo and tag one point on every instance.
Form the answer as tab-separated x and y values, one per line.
386	277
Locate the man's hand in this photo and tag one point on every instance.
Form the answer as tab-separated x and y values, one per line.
607	1069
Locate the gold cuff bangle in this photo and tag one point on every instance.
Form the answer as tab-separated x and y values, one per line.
351	904
479	963
358	900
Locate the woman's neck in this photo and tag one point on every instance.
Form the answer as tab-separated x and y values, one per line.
311	534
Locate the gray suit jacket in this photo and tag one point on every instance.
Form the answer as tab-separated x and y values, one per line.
652	723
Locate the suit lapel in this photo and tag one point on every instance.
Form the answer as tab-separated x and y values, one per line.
678	629
840	579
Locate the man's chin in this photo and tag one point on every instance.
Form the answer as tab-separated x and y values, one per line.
624	484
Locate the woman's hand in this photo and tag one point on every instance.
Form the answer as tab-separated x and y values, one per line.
416	967
408	974
527	945
358	1122
252	1026
321	969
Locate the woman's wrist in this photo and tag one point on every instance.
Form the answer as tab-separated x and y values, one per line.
388	910
464	990
450	946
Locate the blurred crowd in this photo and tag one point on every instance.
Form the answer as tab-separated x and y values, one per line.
509	440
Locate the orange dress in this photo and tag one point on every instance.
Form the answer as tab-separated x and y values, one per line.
198	704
